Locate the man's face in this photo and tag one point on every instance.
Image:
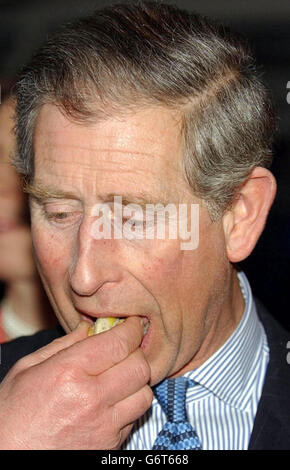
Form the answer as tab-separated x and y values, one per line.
135	156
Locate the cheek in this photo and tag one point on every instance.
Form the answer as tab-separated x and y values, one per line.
52	254
178	278
162	271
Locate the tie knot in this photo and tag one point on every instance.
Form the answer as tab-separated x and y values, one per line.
171	394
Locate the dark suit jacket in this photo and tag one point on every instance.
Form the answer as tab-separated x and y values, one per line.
272	422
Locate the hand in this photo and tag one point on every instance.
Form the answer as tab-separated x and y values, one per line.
78	392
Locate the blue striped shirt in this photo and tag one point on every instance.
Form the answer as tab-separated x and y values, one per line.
223	404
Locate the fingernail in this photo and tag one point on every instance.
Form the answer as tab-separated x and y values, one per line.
82	325
145	323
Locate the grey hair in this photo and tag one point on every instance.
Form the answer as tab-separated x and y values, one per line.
132	55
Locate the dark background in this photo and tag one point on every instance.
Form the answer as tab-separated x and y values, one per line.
266	24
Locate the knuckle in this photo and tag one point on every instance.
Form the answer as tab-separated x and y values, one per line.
69	394
100	395
142	369
119	348
114	442
112	430
21	365
148	396
115	425
66	379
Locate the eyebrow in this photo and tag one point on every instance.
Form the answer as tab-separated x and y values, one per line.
142	199
41	193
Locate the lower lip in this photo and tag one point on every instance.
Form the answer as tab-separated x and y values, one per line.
87	318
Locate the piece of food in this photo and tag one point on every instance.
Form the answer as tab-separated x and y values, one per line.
104	324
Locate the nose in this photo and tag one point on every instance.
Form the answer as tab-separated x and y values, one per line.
94	262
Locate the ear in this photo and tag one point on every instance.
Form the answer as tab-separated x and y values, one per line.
246	219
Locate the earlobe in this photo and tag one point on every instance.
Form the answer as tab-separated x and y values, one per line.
246	219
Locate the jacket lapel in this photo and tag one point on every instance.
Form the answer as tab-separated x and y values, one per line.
272	423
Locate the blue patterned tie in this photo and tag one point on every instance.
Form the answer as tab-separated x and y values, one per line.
177	433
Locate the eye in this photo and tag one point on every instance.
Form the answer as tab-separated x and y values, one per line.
134	222
62	217
58	215
61	214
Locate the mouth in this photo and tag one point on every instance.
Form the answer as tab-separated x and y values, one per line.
92	319
88	318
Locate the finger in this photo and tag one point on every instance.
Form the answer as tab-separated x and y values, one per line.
124	433
55	346
133	407
101	352
123	379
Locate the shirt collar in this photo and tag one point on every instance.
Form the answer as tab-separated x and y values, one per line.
227	373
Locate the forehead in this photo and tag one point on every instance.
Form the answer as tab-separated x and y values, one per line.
148	139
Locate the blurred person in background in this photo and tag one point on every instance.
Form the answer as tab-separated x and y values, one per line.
24	309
